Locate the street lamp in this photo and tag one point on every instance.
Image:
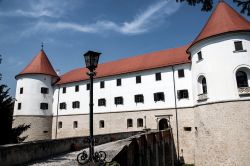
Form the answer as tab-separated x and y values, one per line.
91	60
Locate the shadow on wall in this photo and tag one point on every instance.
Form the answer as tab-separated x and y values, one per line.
150	149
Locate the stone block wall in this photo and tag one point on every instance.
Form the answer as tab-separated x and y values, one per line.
223	134
40	126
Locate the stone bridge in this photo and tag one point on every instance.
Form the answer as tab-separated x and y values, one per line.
145	149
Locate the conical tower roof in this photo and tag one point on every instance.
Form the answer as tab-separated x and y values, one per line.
224	19
39	65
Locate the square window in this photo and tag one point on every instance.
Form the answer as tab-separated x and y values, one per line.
159	96
199	56
238	45
118	82
75	104
118	100
64	89
44	106
19	106
63	105
102	84
181	73
139	98
102	102
44	90
88	87
138	79
182	94
21	90
157	76
77	88
101	124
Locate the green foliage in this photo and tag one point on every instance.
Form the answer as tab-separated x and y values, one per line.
6	118
207	5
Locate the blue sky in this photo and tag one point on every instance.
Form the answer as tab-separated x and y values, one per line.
69	28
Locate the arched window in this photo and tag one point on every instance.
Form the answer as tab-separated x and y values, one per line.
241	78
204	85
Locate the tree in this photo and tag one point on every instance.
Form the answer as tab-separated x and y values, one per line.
10	135
207	5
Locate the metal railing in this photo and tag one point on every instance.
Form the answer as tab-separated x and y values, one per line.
202	97
244	90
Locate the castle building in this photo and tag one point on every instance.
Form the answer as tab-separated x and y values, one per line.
205	83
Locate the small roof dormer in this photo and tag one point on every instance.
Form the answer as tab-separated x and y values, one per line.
39	65
224	19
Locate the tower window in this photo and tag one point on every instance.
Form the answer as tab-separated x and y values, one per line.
102	84
44	106
157	76
129	123
140	122
118	82
60	125
159	96
101	124
44	90
64	89
75	104
19	106
75	124
138	79
238	46
21	90
139	98
88	87
199	56
118	100
63	105
77	88
241	78
181	73
182	94
102	102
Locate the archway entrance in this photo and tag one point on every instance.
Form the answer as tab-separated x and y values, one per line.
163	124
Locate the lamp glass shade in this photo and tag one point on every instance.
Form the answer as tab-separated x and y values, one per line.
91	59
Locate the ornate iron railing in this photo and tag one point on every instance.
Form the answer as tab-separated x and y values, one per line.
202	97
244	91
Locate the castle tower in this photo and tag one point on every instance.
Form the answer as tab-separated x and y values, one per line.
34	97
220	57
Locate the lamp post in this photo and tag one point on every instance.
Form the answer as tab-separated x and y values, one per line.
91	60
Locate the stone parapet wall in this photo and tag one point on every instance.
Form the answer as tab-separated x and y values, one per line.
18	154
223	134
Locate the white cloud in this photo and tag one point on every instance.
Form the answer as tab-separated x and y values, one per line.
38	8
141	23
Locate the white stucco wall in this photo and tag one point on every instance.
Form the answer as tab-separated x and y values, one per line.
127	90
219	65
32	96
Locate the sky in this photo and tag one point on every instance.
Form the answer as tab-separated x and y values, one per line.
69	28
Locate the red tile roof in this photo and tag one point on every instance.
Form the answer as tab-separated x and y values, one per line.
137	63
224	19
39	65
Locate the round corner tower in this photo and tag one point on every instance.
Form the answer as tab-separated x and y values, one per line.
34	97
220	57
